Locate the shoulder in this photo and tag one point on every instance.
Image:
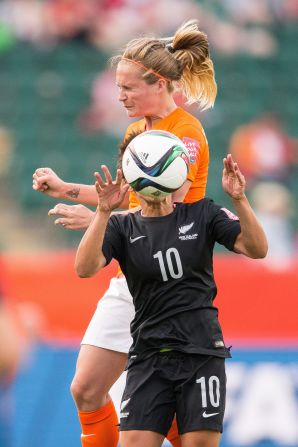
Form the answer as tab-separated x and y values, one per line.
190	130
123	220
186	119
197	206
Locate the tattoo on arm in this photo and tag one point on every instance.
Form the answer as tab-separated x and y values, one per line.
73	193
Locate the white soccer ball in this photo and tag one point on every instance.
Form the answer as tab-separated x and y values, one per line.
155	163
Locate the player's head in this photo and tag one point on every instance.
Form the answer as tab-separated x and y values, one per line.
149	68
123	145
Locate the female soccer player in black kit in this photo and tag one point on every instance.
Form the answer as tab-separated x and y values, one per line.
177	359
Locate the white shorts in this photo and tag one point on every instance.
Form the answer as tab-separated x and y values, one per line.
109	327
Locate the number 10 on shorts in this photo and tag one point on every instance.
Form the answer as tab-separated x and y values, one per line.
213	391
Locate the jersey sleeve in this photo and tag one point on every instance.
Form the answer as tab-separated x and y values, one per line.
112	243
224	226
196	143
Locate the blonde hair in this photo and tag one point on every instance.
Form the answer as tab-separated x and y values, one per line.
183	58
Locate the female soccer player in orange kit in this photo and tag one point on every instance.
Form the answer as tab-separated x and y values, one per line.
147	74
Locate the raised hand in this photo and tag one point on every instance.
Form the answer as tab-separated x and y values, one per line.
45	180
233	182
73	217
110	193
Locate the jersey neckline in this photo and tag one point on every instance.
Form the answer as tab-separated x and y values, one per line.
157	218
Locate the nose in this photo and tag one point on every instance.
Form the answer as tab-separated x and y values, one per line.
122	96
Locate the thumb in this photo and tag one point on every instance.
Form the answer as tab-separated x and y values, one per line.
42	179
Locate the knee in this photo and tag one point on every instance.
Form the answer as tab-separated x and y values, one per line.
86	394
79	388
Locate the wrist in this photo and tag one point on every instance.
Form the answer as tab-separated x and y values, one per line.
239	198
103	211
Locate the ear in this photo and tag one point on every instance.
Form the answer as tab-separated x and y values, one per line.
161	85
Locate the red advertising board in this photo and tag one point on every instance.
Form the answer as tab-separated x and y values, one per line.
257	305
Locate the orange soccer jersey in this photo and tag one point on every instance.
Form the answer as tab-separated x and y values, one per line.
189	129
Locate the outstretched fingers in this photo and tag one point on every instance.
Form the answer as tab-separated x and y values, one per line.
107	174
119	177
99	183
239	175
229	165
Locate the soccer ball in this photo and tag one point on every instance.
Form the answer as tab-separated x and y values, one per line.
155	163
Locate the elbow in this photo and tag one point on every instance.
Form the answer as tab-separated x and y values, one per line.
82	274
263	254
84	271
260	252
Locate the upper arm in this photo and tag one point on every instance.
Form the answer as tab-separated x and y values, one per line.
224	226
112	243
239	246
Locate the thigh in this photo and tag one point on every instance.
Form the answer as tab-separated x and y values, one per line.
98	368
148	401
201	399
140	439
109	327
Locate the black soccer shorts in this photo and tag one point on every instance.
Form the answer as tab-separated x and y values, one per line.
191	386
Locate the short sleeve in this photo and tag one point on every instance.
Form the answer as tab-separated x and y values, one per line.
112	243
196	143
224	226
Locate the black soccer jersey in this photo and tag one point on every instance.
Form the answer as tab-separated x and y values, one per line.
167	262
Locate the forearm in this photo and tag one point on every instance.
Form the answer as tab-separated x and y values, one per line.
252	240
79	193
85	194
89	257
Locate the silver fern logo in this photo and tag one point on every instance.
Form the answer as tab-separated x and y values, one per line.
185	229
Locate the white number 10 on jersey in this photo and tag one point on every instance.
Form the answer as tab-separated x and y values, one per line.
171	253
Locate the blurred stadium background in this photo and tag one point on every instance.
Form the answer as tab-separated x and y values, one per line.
58	108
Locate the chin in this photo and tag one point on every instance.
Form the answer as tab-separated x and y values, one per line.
132	114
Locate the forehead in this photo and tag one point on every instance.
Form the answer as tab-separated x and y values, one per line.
128	73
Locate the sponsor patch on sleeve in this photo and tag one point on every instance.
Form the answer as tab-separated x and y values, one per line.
229	213
193	147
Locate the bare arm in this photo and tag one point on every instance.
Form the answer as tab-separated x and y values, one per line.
251	241
90	258
45	180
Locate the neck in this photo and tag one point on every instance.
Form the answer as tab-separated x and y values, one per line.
153	119
156	207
